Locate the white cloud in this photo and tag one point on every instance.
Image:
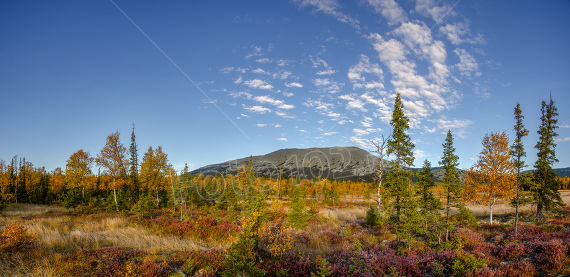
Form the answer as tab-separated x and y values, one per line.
238	81
562	139
405	79
294	84
277	125
429	8
257	109
259	71
329	7
284	74
456	125
419	154
326	72
269	100
256	52
244	115
467	64
330	133
321	82
323	108
326	85
263	60
390	10
319	62
418	38
284	115
288	94
360	142
239	94
445	124
285	106
226	70
353	102
365	67
360	132
281	139
260	124
257	83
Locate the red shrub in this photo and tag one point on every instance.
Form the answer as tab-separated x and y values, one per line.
549	256
511	251
519	268
152	269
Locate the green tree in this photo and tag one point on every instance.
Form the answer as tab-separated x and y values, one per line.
517	151
428	204
243	254
451	182
298	216
545	188
400	145
134	166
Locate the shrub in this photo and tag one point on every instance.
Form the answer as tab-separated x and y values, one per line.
549	257
521	268
144	206
465	263
15	237
372	217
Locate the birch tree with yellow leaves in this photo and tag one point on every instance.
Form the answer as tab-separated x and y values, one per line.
493	177
154	171
113	158
78	170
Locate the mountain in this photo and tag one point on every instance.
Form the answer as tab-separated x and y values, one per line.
348	163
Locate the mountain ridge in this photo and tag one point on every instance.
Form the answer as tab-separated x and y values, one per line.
338	162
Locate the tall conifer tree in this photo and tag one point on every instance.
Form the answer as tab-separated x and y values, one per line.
517	151
134	166
400	145
545	187
451	182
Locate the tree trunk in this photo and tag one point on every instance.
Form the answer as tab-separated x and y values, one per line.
115	196
517	211
491	212
539	212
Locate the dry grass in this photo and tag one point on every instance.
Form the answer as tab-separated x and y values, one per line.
109	232
23	210
344	214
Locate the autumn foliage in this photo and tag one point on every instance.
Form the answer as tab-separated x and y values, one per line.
493	176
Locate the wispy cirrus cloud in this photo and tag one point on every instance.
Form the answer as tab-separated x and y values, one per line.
330	7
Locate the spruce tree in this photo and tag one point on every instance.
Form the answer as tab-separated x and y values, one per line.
134	166
545	188
517	151
451	182
400	145
428	203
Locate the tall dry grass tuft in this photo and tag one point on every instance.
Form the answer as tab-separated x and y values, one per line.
17	264
345	214
108	232
22	210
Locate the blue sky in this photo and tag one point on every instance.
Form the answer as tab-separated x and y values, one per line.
211	81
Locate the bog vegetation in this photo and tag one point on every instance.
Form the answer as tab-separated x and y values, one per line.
146	219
